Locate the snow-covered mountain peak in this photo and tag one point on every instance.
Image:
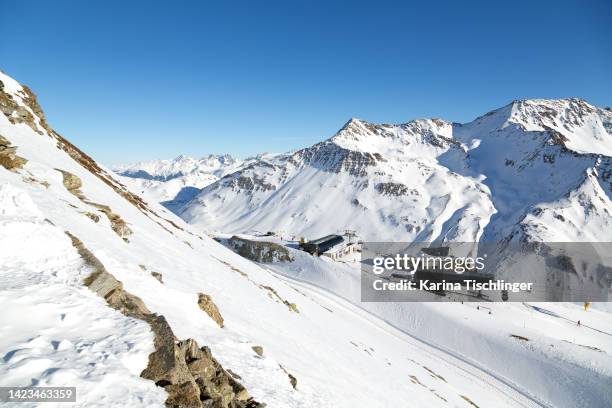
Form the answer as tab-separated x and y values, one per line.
222	158
182	165
408	139
427	178
354	129
177	180
571	123
352	123
535	114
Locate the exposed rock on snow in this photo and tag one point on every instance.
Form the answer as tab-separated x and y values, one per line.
394	189
8	157
274	295
190	375
94	168
15	112
206	303
258	251
292	379
117	223
73	184
104	284
92	216
157	276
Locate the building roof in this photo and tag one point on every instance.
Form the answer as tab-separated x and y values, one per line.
324	239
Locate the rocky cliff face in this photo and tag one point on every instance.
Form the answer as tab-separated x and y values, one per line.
258	251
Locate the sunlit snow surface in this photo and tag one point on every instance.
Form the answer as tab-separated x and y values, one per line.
535	169
56	332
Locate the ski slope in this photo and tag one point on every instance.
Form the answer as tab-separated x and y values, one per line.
556	363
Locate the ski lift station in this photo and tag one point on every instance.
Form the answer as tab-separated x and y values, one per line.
332	246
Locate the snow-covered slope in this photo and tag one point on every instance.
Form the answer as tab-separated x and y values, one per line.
174	182
67	223
532	346
535	167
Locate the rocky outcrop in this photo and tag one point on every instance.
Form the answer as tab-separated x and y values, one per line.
258	251
250	184
8	157
117	223
258	350
210	308
94	217
292	379
21	106
395	189
274	295
73	184
17	113
191	376
330	157
29	98
14	111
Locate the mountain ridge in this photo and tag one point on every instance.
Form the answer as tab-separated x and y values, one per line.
485	159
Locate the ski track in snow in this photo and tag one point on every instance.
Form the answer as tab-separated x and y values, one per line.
472	372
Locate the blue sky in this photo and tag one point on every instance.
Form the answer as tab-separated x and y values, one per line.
130	80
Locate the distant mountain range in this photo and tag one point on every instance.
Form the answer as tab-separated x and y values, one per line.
175	182
533	170
164	170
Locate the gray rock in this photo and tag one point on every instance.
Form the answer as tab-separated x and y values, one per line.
259	251
158	276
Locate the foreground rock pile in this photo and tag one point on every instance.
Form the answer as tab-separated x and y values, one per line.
189	373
